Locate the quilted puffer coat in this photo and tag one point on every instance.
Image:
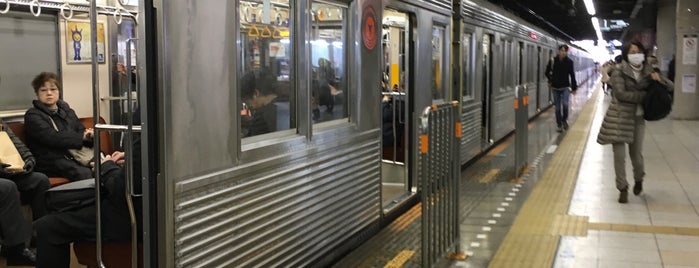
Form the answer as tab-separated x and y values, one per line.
618	125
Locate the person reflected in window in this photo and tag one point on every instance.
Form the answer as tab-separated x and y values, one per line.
52	129
623	123
258	95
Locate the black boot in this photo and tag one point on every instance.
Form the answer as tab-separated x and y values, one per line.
624	195
20	256
638	188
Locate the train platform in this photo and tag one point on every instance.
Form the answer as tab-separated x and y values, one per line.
564	212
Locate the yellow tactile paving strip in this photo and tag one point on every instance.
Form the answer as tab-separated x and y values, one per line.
399	260
532	241
643	229
570	225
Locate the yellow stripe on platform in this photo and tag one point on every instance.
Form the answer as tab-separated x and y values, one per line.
533	239
400	259
489	176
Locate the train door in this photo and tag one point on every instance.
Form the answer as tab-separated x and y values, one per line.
471	106
486	71
395	103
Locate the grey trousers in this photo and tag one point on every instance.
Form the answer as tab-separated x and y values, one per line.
636	154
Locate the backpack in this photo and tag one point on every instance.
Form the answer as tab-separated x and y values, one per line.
658	102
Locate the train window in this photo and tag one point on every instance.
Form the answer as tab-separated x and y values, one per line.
506	70
438	33
31	41
466	66
328	54
266	89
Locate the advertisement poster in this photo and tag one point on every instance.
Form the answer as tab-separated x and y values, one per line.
689	83
78	36
689	50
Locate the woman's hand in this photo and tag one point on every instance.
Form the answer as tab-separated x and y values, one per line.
655	76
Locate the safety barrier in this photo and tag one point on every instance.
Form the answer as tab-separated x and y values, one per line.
521	105
439	173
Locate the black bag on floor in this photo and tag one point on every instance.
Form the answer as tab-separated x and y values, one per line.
71	196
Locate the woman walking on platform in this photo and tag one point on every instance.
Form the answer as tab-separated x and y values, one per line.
623	123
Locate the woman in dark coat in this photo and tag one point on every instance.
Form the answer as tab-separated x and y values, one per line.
52	129
623	123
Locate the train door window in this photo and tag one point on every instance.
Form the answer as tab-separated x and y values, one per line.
328	56
506	64
467	66
266	89
515	57
438	50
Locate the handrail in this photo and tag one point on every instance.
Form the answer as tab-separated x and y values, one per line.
129	159
60	7
117	128
96	116
70	9
393	93
112	98
38	8
7	7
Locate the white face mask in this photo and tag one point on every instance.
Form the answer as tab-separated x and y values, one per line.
636	59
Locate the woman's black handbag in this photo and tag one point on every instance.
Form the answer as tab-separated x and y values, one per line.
71	196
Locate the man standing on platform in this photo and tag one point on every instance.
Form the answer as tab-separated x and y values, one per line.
558	71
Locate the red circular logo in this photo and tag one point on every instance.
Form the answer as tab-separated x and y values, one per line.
369	28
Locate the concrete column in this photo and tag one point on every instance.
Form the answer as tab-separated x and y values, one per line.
686	104
665	29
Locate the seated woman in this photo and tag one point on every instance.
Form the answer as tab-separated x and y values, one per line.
52	129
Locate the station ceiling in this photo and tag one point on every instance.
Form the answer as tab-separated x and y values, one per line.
569	19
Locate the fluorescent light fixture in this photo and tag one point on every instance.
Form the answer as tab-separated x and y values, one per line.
595	24
590	7
616	43
285	41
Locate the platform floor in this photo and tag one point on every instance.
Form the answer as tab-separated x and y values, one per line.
564	213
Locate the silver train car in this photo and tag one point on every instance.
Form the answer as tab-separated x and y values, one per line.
328	177
282	133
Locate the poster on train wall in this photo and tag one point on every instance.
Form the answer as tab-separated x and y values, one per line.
78	42
689	50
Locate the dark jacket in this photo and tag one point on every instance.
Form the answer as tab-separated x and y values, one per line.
113	180
23	151
45	142
558	71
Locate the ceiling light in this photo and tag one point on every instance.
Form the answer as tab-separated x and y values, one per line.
595	24
590	7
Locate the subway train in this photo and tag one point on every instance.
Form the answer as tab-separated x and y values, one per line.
284	133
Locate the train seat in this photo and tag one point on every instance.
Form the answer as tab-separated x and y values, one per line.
105	141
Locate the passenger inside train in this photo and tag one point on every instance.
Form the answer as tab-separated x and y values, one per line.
56	231
258	93
53	129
